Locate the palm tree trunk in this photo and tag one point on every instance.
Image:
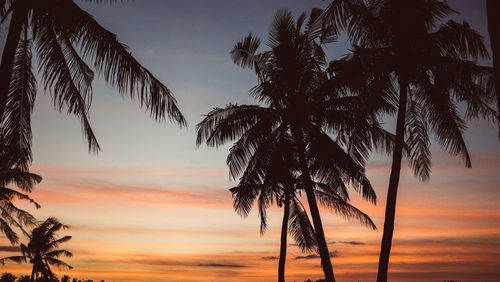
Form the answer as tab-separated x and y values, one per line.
390	206
284	233
33	274
313	207
9	52
493	11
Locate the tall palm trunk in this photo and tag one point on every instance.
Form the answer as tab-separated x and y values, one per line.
313	207
33	274
284	233
493	10
9	51
390	206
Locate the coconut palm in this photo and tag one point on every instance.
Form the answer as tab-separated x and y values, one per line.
56	29
12	216
434	66
273	174
303	103
42	251
493	10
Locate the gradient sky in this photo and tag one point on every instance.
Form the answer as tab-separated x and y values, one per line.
153	207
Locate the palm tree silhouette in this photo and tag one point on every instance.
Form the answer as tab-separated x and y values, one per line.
493	10
302	102
273	174
56	28
434	67
10	214
41	250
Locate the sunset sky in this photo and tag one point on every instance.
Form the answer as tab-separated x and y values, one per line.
153	207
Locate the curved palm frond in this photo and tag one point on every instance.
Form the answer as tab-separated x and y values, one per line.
16	126
114	61
300	227
22	179
418	142
341	207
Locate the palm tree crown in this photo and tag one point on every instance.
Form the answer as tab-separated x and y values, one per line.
56	29
303	102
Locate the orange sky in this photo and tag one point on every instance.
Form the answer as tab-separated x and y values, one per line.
446	229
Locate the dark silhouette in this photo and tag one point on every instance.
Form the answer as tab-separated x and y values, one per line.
493	11
41	250
434	67
54	28
12	216
303	103
25	278
7	277
271	173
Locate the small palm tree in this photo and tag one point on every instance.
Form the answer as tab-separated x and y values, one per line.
302	102
41	250
435	69
55	29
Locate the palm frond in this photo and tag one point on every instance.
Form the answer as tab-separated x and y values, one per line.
229	123
16	126
460	40
16	259
418	141
58	263
282	29
58	253
115	62
244	54
9	194
57	75
22	179
300	227
244	197
341	207
7	230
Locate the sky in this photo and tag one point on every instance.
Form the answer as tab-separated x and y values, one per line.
151	206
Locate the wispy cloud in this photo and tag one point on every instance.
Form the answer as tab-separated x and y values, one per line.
13	249
314	256
352	242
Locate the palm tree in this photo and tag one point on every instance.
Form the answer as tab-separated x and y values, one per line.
12	216
303	103
273	174
435	69
493	10
56	29
41	250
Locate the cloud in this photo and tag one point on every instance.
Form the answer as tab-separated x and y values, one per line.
13	249
314	256
220	265
153	260
270	257
352	242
